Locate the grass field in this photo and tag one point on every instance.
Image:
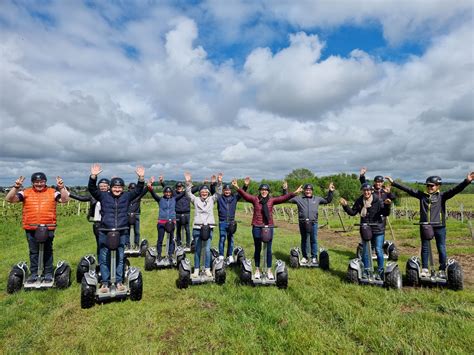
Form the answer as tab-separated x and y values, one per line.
318	312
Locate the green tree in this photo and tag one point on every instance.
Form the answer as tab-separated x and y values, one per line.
300	174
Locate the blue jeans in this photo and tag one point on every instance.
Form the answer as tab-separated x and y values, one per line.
440	235
377	240
104	258
223	235
197	252
136	232
33	245
161	236
257	241
313	240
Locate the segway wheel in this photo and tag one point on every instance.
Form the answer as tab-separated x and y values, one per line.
220	276
352	276
393	253
136	288
180	258
63	280
413	278
282	279
359	251
324	260
149	261
82	268
455	277
240	256
245	276
87	295
294	261
143	247
394	279
184	277
14	282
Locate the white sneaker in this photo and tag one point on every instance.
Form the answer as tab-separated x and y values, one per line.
304	261
270	275
208	272
425	273
195	274
257	274
314	260
230	259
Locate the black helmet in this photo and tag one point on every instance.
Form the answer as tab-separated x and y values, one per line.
226	187
436	180
104	181
264	187
38	176
167	189
132	186
307	186
378	178
179	184
203	187
116	181
366	186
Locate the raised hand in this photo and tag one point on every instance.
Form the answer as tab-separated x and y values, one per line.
96	169
219	178
187	176
234	183
150	182
19	182
213	179
363	171
140	171
285	185
59	182
389	178
342	201
247	181
299	189
160	179
331	186
387	201
470	176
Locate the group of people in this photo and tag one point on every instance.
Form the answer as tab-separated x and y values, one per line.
111	207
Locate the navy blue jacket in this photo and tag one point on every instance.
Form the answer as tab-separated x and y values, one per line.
226	206
114	209
135	203
167	205
183	205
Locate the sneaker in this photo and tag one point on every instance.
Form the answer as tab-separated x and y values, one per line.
230	259
257	274
425	273
195	274
304	261
127	246
442	274
32	279
379	275
270	275
188	246
208	272
121	287
104	288
314	260
48	278
365	274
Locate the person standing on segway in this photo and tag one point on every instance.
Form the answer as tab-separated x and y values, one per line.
226	205
433	211
114	212
134	214
308	206
372	209
203	216
39	207
263	217
166	215
94	208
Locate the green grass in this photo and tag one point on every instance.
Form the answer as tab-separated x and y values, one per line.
318	312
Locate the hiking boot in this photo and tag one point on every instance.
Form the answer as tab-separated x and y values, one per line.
104	288
32	279
257	274
121	287
425	273
48	278
195	274
208	272
304	261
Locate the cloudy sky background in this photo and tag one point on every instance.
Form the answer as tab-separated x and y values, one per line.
253	88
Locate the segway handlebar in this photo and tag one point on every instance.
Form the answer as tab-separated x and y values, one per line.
427	224
42	225
113	229
366	224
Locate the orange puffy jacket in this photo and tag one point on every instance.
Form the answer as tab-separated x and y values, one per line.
39	207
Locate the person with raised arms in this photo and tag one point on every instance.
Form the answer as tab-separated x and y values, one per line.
263	217
134	210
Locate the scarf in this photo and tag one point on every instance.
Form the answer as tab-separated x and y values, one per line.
367	205
265	212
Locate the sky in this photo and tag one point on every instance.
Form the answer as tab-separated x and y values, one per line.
248	88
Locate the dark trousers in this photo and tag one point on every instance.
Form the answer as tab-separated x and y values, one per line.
182	220
257	240
95	229
161	236
440	236
33	245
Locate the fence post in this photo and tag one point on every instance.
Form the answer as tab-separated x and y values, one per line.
462	212
470	229
79	209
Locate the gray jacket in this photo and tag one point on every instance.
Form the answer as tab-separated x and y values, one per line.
203	209
308	207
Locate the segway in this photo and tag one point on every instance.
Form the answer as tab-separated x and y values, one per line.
135	250
296	255
217	264
90	294
453	278
281	272
20	272
356	272
154	261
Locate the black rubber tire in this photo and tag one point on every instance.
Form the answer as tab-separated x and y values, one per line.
136	288
220	276
149	261
282	279
63	280
352	276
324	260
393	253
294	261
180	258
14	283
412	278
394	279
455	277
245	276
87	295
81	270
143	247
184	277
240	256
359	251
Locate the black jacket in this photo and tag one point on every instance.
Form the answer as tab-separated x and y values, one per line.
375	214
92	202
381	193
